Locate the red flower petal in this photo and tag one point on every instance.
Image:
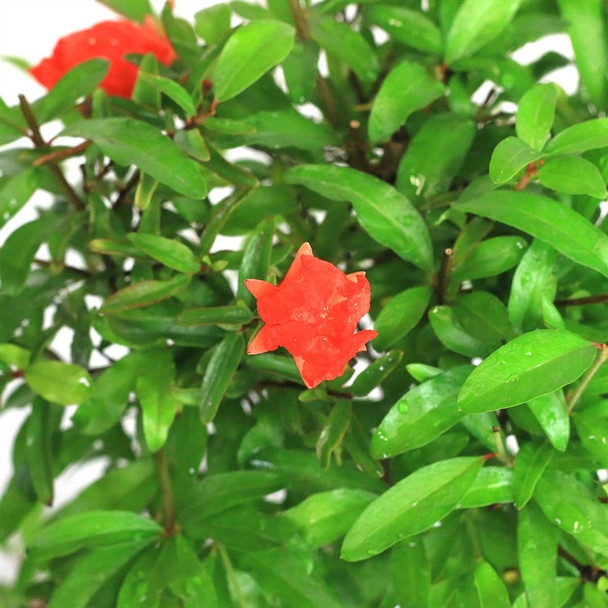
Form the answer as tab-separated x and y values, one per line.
313	313
110	40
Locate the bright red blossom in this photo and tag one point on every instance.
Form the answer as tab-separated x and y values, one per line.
313	313
110	40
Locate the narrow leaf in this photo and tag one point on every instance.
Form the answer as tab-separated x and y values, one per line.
573	175
59	382
510	156
171	253
530	462
535	114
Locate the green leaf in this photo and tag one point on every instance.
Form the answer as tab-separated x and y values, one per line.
476	23
530	462
483	316
434	155
58	382
574	508
375	374
592	427
220	492
191	142
421	415
326	516
385	214
549	221
281	573
171	89
90	573
146	186
407	88
127	141
400	315
347	45
333	432
134	10
453	335
212	23
587	30
532	365
411	506
573	175
143	92
39	430
510	156
157	403
169	252
92	529
409	27
301	71
238	314
411	574
227	126
222	365
537	549
256	258
144	293
490	587
533	279
579	138
250	52
535	114
17	191
11	354
74	84
491	257
493	485
551	412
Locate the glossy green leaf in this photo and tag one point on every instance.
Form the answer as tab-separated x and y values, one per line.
90	573
91	529
212	23
256	258
549	221
493	485
574	508
483	316
385	214
301	70
373	375
410	573
573	175
348	45
531	365
17	191
171	253
171	89
238	314
134	10
191	142
333	432
250	52
407	88
453	335
39	430
535	114
324	517
153	390
476	23
11	354
222	365
579	138
592	427
422	414
435	155
144	293
400	315
411	506
490	587
58	382
533	279
491	257
228	126
530	462
510	156
537	549
551	412
410	27
587	30
127	141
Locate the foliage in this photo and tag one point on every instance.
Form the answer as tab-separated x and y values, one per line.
478	222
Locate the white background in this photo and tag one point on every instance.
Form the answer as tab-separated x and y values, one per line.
29	30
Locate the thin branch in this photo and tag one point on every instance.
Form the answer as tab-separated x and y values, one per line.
444	274
580	389
167	493
59	155
299	20
582	301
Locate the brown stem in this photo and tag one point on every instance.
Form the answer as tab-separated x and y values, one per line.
167	493
124	191
328	100
444	274
299	20
39	142
528	176
582	301
575	397
59	155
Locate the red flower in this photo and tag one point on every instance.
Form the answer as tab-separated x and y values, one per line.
109	40
313	313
